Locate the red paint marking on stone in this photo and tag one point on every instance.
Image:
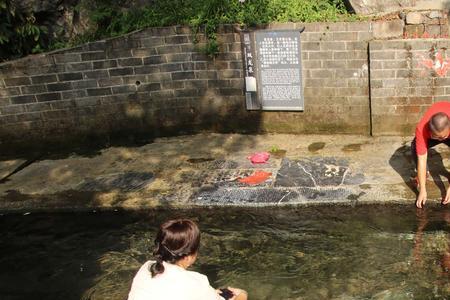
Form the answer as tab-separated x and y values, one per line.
439	64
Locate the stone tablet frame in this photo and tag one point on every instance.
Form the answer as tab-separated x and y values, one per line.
282	93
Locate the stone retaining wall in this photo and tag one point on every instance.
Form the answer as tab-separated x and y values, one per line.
156	82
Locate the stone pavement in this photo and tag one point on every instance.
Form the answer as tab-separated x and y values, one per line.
203	170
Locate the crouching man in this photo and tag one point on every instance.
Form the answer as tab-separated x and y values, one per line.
433	129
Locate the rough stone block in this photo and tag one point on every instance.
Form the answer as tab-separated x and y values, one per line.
63	104
158	77
75	67
10	119
433	30
99	91
23	99
172	85
25	117
176	39
388	29
320	55
149	87
12	110
356	46
330	46
414	18
196	84
43	79
97	55
229	74
48	97
8	92
183	75
168	49
84	84
382	55
231	92
104	82
156	59
33	89
96	46
143	52
414	31
70	76
125	89
187	92
133	61
61	86
121	71
146	69
74	94
200	57
105	64
435	14
56	114
112	54
345	36
181	57
16	81
170	67
67	58
152	42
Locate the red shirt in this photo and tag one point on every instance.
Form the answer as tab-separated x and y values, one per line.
423	133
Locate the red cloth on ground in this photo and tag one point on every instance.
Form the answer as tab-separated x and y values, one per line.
256	178
423	133
259	157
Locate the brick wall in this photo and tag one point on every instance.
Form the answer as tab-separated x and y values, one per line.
406	77
155	82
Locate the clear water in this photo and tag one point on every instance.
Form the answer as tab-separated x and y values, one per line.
367	252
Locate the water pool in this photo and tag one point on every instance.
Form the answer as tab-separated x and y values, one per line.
323	252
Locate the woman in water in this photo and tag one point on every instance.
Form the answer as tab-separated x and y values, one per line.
177	244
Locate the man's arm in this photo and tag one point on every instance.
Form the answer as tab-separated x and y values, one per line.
422	177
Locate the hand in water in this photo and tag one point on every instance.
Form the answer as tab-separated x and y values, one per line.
422	198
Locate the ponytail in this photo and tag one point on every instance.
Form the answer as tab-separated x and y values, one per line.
175	240
157	267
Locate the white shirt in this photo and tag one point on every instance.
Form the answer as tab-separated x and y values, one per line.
175	283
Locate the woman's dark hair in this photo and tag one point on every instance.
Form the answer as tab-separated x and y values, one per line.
175	240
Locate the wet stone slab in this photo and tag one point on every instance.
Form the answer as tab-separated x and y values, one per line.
316	172
126	182
220	195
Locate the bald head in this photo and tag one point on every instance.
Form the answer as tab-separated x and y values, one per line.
439	122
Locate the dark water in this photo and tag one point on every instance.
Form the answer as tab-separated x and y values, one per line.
368	252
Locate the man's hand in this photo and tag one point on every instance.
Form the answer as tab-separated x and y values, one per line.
422	198
446	200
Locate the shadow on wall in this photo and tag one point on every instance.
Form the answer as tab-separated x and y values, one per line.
402	162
